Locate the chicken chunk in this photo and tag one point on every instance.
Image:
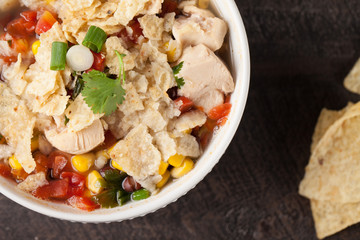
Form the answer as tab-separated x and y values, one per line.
77	142
206	77
202	27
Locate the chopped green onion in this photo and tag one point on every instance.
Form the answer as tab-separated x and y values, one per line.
122	197
140	194
95	39
58	56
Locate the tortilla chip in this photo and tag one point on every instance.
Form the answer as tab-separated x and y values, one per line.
352	80
80	115
77	5
152	26
14	75
334	170
326	119
332	217
16	125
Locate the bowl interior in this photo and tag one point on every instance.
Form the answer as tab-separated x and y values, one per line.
239	63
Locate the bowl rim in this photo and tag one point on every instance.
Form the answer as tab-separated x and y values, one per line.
145	207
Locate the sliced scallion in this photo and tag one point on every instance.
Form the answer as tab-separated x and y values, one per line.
58	56
140	194
95	39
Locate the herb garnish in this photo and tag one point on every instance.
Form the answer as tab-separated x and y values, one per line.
103	94
79	86
176	70
113	195
66	120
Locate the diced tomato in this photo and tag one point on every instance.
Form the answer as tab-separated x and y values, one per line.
82	203
219	111
20	45
45	23
16	28
8	59
5	170
76	183
99	62
136	30
57	189
169	6
19	28
19	174
41	159
53	154
184	104
134	36
29	16
59	164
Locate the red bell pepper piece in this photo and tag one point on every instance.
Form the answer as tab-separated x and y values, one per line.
219	111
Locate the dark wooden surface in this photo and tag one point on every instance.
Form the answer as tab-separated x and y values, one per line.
301	50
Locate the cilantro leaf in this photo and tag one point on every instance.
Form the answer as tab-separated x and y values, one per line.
180	82
103	94
66	120
176	70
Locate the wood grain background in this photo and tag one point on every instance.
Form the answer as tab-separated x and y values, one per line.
301	50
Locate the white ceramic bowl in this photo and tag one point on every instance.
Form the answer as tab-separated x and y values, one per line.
240	64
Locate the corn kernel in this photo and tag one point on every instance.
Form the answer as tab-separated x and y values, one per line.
162	168
188	131
94	182
35	143
88	193
170	52
102	153
178	172
35	46
176	160
49	1
204	4
116	165
110	149
83	162
14	163
164	180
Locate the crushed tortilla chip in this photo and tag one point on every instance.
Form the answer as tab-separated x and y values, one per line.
14	76
80	115
16	125
137	155
78	5
152	26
